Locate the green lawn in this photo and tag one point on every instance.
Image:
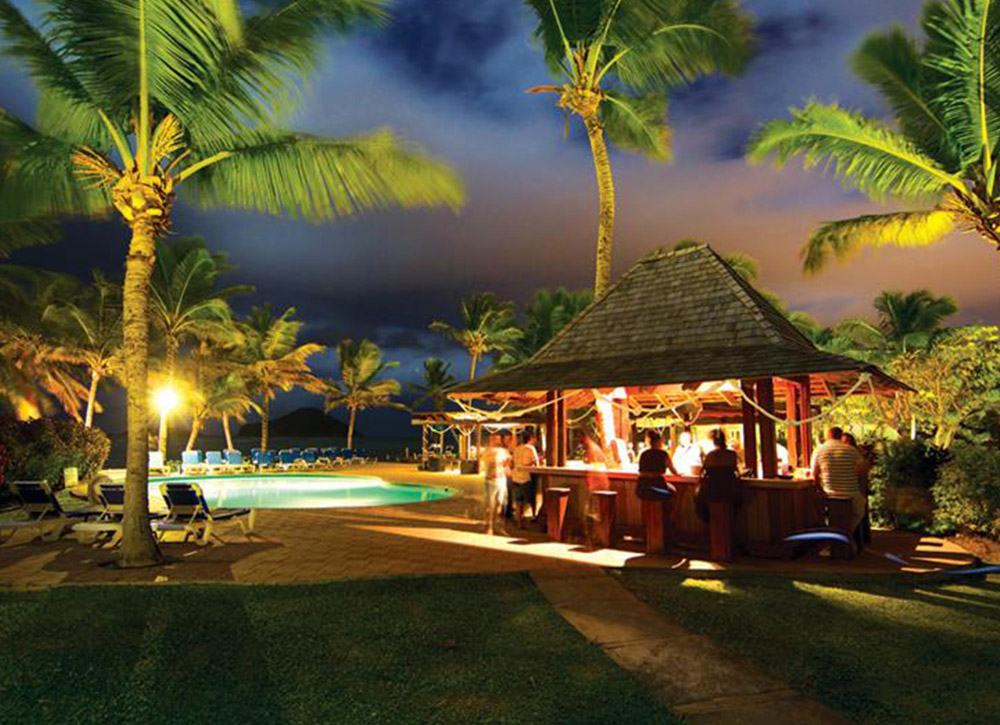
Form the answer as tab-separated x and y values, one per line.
441	650
880	651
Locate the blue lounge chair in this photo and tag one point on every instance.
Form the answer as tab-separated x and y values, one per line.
187	511
235	462
310	456
268	459
192	463
214	461
330	457
255	454
44	512
289	458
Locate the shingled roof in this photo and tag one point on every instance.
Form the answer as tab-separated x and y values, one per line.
676	317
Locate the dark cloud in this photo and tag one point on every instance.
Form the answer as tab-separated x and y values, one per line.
783	33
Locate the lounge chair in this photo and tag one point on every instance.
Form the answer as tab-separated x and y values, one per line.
290	458
188	511
310	456
214	461
235	462
192	464
111	497
156	465
268	459
330	457
44	512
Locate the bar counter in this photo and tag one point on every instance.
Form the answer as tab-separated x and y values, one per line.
772	508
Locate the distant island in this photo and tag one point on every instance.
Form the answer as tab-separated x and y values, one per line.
301	423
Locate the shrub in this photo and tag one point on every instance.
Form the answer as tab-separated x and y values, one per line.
42	448
967	494
904	474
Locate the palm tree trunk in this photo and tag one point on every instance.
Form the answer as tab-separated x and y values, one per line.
225	428
265	412
350	428
95	378
138	545
606	213
472	366
195	430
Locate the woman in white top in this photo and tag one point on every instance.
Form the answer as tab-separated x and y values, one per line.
495	461
525	488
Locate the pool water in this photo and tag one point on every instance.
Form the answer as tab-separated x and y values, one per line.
304	491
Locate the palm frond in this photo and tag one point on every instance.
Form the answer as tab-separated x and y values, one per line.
842	239
638	124
863	153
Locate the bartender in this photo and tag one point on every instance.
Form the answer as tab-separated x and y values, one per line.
687	456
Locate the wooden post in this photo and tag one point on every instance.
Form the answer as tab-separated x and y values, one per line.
792	413
560	429
768	441
550	429
423	446
805	429
749	430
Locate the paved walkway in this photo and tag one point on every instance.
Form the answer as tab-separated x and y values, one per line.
693	676
440	537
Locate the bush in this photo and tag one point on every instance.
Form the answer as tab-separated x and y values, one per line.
41	449
904	474
967	494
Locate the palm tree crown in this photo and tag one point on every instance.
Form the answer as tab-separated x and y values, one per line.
618	59
487	326
434	387
548	313
941	146
361	383
906	322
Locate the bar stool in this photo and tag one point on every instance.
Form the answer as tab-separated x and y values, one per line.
556	502
720	531
841	512
602	517
654	521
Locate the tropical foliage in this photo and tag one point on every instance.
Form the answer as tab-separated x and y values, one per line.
362	382
548	313
487	326
433	388
618	61
940	149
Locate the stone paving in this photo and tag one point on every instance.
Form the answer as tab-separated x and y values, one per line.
439	537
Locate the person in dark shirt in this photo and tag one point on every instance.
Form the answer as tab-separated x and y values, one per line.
719	478
653	466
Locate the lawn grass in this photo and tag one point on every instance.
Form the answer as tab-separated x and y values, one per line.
881	651
431	650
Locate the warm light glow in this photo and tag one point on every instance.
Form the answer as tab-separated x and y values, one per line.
167	399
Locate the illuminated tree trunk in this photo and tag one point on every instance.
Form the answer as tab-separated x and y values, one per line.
225	429
265	412
350	428
606	209
138	545
95	378
472	366
195	430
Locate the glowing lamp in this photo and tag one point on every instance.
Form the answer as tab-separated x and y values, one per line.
166	399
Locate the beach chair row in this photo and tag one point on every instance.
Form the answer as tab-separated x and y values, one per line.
289	459
186	512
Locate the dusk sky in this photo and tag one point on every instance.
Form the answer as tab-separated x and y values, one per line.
450	76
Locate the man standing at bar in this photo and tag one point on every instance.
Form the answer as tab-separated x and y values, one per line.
836	466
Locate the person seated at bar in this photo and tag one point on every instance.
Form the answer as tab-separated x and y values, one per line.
687	455
524	483
653	466
836	467
719	477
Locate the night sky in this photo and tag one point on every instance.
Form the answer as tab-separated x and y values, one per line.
450	75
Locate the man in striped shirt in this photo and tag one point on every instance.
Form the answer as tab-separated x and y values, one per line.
836	466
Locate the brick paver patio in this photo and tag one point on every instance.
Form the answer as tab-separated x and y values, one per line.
429	538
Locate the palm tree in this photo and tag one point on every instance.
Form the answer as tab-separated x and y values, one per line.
361	385
548	313
487	326
141	99
271	359
906	322
435	385
186	304
93	328
941	144
743	264
225	396
618	60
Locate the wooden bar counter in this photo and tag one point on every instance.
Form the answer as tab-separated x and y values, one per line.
772	508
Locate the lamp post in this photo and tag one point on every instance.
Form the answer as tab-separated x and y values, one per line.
166	399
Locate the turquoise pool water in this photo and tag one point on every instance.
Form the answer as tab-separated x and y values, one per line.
304	491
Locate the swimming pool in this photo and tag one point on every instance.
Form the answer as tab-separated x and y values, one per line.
306	491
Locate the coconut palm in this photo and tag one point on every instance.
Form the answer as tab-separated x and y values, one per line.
906	322
271	359
743	264
435	384
361	383
225	397
939	149
142	99
548	313
618	59
187	304
488	326
92	327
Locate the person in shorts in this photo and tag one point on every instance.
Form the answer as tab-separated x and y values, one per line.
495	463
524	484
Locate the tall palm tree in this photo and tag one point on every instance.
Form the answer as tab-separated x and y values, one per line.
271	359
187	304
618	60
940	146
224	397
547	313
142	99
361	383
435	384
487	326
92	326
906	322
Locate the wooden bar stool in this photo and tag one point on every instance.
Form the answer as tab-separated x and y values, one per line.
841	517
720	531
556	502
603	517
654	521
